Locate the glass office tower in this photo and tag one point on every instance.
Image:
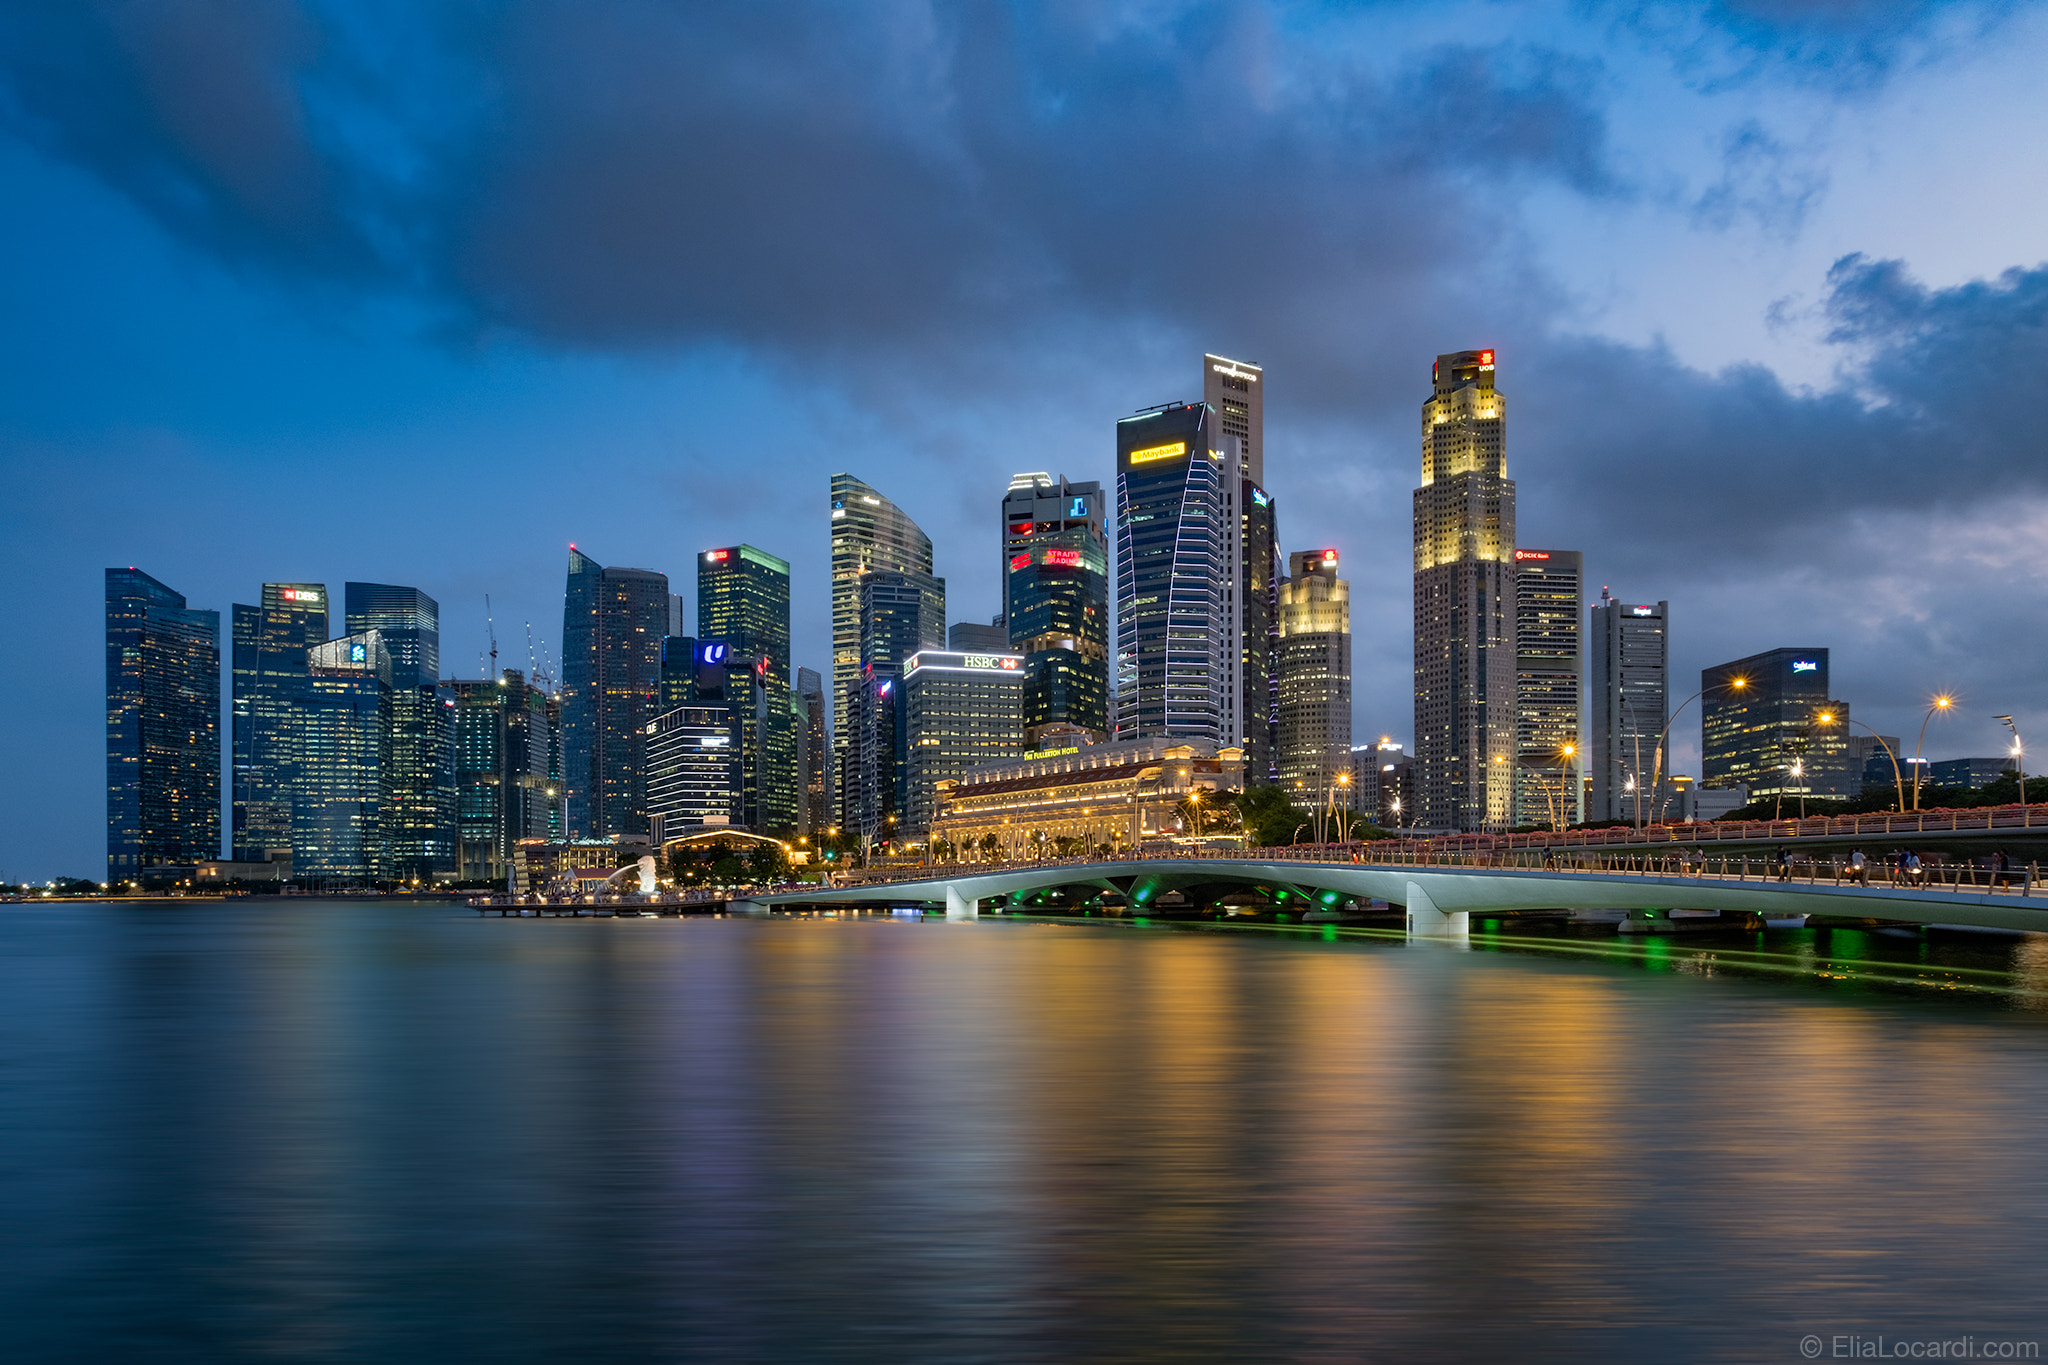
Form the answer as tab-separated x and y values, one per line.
1628	699
1549	601
344	768
900	613
814	753
613	624
1780	735
959	711
869	534
163	728
269	684
419	817
743	599
1175	645
505	787
1056	601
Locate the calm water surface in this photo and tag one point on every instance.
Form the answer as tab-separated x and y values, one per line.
336	1131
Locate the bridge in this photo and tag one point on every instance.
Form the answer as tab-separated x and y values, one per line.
1439	892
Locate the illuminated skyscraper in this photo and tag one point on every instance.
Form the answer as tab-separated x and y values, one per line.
419	815
163	727
1235	393
342	785
1549	600
959	710
1314	672
1464	602
900	614
1056	601
613	623
1779	734
743	599
504	744
1176	649
814	753
869	534
1628	699
269	683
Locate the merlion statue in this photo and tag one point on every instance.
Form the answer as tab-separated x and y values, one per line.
647	883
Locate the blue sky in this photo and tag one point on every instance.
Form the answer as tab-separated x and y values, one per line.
423	294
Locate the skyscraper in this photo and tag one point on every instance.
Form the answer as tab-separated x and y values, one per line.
503	745
1235	393
1464	603
959	710
1056	601
1314	673
814	753
613	623
691	770
1779	734
163	727
269	662
1549	598
344	772
900	614
743	599
869	533
1628	701
1176	650
408	621
419	815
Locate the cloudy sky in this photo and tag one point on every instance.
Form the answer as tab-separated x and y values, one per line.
421	294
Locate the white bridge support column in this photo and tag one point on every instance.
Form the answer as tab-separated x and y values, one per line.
959	907
1426	921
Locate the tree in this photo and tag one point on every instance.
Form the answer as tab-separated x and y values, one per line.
768	863
991	845
1268	815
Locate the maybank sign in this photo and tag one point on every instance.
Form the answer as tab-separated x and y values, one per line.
1171	451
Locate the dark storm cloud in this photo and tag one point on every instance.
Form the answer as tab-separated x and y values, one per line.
807	177
1927	419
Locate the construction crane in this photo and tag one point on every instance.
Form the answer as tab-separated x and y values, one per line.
491	626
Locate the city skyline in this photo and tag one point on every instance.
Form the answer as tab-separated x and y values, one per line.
186	346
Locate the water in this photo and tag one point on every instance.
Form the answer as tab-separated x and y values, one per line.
331	1131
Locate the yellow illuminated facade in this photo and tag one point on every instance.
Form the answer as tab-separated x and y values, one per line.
1116	795
1464	602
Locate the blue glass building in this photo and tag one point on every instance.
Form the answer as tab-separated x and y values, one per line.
163	728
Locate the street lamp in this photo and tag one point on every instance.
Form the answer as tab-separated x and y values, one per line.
1565	754
2019	760
1657	763
1898	782
1942	702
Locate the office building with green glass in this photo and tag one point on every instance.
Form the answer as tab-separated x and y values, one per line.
419	813
506	785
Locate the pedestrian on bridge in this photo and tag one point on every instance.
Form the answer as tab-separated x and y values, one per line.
1784	863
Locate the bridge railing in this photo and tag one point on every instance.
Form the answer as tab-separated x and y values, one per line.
1834	869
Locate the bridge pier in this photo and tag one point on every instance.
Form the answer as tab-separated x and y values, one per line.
960	907
745	908
1426	921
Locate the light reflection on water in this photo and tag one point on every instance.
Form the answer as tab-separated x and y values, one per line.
328	1131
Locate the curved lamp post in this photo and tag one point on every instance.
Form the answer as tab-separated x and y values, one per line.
1657	763
1898	780
2019	755
1941	704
